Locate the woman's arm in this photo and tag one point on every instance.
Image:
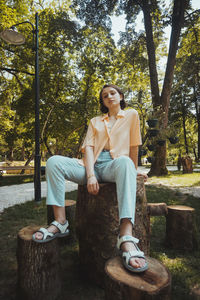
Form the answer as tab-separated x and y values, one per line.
92	183
134	156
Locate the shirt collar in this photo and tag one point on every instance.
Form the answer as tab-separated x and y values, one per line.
120	114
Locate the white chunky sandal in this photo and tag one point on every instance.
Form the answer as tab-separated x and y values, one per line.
49	236
126	256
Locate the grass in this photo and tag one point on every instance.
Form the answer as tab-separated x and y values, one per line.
184	267
176	178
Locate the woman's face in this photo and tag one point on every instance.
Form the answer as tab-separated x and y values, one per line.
111	97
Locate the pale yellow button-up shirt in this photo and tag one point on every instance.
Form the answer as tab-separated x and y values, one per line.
124	134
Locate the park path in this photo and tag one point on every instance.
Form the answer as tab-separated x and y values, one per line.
20	193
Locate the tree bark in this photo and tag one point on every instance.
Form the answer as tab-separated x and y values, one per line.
27	162
187	164
157	209
158	167
181	231
151	53
97	224
38	267
184	126
153	284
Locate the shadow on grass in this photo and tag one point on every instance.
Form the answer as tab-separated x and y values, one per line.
7	180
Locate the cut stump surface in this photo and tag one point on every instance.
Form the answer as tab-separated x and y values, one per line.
120	284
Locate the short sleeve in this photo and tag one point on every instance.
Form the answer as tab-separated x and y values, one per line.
135	135
89	138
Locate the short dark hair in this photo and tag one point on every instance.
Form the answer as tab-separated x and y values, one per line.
103	108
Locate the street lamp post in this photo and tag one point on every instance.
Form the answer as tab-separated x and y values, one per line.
13	37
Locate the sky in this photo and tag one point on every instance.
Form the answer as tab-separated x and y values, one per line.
118	23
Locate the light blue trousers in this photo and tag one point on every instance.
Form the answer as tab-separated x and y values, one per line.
120	170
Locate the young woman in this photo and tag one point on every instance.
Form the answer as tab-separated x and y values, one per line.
110	155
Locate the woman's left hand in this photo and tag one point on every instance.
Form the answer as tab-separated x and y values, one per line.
145	176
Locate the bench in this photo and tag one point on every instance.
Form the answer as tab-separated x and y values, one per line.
14	168
19	168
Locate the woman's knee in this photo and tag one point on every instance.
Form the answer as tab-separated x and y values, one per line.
125	162
53	162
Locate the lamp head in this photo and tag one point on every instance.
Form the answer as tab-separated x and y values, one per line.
12	36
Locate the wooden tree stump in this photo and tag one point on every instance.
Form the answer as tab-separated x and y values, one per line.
181	232
38	267
195	292
70	210
187	164
120	284
157	209
97	224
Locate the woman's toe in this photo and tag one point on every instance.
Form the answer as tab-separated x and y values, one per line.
137	263
38	235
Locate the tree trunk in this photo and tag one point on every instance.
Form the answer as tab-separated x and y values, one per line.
10	154
158	167
198	128
38	267
27	162
187	164
157	209
181	231
153	284
184	127
151	53
47	146
97	224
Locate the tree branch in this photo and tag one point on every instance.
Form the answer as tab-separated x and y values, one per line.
177	23
151	53
12	71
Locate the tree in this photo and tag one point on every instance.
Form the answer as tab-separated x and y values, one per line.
186	85
152	12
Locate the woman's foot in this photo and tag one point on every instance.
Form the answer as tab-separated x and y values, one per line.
133	258
52	229
135	262
127	244
55	229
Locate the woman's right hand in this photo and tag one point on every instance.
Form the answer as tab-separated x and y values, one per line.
93	185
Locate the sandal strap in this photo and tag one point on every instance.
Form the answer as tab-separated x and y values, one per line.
45	233
130	254
126	238
61	227
133	253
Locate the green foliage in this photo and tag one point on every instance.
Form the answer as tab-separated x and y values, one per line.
183	112
77	55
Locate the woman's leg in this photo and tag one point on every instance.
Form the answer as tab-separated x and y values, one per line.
123	172
58	169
